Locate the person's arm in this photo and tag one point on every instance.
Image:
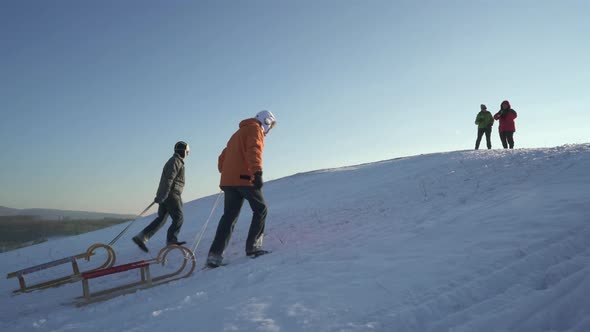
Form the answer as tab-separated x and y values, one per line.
497	115
220	160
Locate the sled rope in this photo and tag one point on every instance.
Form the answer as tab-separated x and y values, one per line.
126	228
202	232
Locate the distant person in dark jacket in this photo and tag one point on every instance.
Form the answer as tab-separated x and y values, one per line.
484	121
506	116
169	199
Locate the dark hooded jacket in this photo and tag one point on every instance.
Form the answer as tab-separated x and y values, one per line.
172	180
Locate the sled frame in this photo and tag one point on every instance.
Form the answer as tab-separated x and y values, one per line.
146	279
75	276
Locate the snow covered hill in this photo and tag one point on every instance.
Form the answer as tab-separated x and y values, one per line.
461	241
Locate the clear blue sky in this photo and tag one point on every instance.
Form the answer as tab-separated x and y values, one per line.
94	94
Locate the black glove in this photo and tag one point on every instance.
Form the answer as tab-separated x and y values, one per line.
257	180
158	200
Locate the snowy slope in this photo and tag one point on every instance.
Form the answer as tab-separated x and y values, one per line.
462	241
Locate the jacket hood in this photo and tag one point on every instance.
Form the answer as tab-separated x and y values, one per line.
250	122
179	156
507	103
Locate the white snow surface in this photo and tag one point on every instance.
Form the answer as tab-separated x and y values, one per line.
461	241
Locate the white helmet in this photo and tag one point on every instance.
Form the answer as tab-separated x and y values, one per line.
267	120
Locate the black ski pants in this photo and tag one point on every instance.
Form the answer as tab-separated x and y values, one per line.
171	206
480	132
507	138
234	198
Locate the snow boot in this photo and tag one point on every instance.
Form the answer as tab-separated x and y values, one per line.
178	243
214	260
140	243
257	252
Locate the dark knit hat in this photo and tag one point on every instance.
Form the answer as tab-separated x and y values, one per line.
181	148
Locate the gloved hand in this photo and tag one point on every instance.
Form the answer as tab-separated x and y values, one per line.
257	180
158	200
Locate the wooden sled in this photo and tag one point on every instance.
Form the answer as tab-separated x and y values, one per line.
75	276
147	281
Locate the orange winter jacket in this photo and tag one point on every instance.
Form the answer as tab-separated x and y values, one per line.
242	157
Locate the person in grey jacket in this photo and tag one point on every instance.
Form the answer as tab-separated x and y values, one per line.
169	199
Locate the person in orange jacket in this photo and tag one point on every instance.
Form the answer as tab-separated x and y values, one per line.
240	165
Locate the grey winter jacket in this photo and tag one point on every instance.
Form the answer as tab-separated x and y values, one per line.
172	179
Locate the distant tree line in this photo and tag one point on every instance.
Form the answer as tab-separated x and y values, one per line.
20	231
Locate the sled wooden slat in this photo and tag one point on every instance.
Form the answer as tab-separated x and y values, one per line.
144	267
42	267
75	276
114	269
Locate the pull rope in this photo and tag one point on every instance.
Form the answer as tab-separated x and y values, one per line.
126	228
199	236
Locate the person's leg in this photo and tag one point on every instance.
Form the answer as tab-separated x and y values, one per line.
488	133
174	206
510	138
479	135
155	225
259	211
233	201
503	139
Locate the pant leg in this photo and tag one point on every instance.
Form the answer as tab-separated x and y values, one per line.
480	132
155	225
503	139
174	206
256	199
488	133
233	201
510	139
